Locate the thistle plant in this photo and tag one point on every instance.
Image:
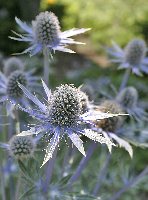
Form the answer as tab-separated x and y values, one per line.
45	35
131	58
62	116
9	89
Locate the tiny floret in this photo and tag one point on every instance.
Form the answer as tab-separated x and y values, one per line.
21	147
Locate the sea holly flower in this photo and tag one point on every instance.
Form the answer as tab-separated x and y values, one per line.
62	117
109	126
9	89
133	56
128	98
45	33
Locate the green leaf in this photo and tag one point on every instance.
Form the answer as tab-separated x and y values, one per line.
64	180
27	180
28	193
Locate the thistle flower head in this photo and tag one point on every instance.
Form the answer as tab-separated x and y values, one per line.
128	97
62	115
133	56
46	28
12	64
13	90
9	89
21	146
134	52
110	124
45	34
65	106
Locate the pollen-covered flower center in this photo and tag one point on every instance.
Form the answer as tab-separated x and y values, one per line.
46	28
113	123
65	106
21	146
128	97
13	90
134	52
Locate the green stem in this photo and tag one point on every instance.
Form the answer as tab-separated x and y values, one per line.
46	67
18	185
2	182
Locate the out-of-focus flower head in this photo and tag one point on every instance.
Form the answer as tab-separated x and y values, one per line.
9	89
108	126
128	98
133	56
21	147
45	33
62	117
12	64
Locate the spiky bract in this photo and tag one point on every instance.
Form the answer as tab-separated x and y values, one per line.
21	147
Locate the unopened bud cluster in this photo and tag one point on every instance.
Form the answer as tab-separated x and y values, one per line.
65	106
134	52
21	146
113	123
46	28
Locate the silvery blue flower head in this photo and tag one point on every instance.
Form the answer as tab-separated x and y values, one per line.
9	89
45	33
109	126
61	117
133	56
128	98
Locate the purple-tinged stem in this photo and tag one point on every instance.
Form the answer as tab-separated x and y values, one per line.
49	171
132	182
83	163
18	185
101	176
46	67
125	79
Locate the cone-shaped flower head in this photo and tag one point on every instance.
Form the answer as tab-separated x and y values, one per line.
13	90
134	52
65	106
133	56
21	147
45	33
128	97
12	64
46	28
61	118
114	123
111	125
